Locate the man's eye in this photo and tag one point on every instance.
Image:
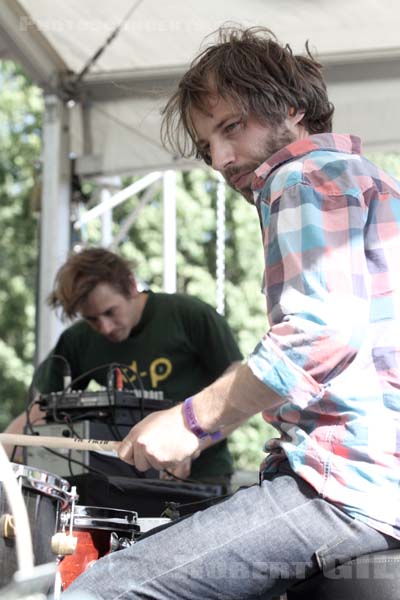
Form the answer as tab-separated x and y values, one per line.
204	154
207	158
232	126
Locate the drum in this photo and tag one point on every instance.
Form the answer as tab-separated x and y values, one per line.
98	531
45	495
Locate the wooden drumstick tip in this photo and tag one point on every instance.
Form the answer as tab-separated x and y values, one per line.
60	442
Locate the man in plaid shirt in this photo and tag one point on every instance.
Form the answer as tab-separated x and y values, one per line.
325	374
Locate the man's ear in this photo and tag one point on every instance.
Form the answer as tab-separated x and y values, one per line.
295	116
133	288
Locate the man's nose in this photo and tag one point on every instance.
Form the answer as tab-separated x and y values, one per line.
104	326
222	155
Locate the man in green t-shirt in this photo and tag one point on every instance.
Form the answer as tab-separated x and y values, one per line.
174	344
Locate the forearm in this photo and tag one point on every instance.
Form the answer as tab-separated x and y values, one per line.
164	438
225	430
17	425
232	367
232	399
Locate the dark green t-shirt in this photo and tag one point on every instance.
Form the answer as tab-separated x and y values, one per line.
180	346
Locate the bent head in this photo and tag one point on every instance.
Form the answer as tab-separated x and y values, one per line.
268	92
110	313
99	286
235	144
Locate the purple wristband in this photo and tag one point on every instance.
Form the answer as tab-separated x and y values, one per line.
193	423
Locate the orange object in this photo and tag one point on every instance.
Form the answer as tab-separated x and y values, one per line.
92	545
119	382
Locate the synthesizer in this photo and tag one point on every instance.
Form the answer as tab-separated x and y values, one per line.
75	400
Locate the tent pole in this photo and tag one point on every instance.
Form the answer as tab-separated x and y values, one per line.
169	203
55	217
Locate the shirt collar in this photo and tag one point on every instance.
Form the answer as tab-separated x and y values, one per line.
321	141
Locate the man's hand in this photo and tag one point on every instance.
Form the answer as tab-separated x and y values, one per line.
160	441
180	471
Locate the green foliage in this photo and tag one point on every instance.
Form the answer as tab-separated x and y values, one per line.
15	373
20	122
247	443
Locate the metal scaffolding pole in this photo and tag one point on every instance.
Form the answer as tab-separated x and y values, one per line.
106	219
169	202
117	198
55	221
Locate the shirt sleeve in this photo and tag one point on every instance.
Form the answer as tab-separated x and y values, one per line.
318	301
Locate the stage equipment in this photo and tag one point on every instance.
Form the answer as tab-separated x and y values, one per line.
98	531
126	405
44	495
67	446
151	498
105	415
102	458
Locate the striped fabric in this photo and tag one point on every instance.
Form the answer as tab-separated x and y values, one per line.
330	221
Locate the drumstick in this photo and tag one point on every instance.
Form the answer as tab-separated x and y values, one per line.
68	443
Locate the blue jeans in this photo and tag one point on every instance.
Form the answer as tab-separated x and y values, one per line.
252	546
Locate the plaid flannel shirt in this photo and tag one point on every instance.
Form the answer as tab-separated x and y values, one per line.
330	221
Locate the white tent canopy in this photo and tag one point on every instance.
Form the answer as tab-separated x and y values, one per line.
113	126
116	128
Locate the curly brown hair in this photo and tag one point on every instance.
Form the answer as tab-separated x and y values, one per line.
259	75
82	272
